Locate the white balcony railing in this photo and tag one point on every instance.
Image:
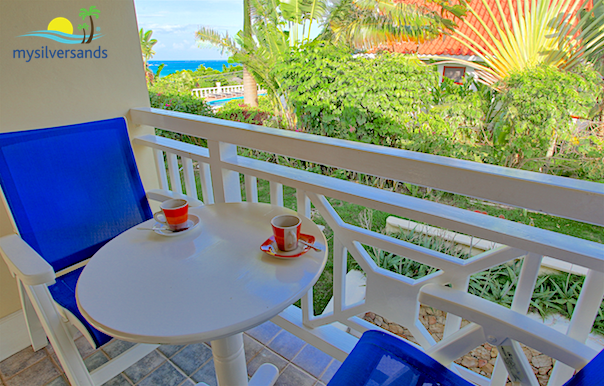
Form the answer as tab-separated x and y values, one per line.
390	295
219	91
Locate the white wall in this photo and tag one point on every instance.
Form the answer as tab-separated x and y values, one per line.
46	92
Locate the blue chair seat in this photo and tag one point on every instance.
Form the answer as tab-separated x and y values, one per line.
381	359
63	292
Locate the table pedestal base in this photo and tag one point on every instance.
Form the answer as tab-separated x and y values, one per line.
231	369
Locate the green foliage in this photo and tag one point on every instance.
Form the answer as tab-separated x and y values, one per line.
391	100
535	128
185	80
367	100
395	101
185	103
236	110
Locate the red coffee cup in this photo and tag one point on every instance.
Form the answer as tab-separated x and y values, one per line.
286	229
174	214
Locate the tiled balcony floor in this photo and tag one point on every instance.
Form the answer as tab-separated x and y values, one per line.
299	364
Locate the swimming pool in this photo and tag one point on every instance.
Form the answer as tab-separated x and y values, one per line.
220	102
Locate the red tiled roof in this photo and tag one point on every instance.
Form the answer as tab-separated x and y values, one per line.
445	45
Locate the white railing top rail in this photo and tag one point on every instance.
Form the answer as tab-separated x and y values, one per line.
583	200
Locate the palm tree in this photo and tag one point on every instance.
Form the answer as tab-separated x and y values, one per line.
147	50
92	11
250	87
268	42
82	27
364	24
551	33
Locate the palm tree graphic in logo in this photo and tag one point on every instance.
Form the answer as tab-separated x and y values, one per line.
82	27
61	30
92	11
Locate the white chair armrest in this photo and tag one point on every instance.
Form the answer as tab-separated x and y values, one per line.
499	323
163	195
24	262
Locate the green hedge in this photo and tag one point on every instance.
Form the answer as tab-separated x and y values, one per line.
395	100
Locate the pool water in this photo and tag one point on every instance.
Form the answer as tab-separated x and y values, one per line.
220	102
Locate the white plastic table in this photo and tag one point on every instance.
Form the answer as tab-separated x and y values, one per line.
209	284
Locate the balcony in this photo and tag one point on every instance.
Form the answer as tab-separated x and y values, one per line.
219	173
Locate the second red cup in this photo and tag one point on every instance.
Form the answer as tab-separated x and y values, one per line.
286	229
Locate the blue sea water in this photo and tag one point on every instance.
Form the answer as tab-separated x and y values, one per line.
178	65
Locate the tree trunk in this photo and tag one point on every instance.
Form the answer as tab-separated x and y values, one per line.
250	89
91	30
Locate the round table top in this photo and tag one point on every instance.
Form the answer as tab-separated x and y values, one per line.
207	284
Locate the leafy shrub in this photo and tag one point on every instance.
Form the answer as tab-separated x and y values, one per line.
236	110
183	102
391	100
536	129
367	100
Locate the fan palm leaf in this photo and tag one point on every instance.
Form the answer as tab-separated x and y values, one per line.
528	33
367	23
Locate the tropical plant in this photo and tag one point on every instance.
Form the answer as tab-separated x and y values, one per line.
527	34
90	12
269	41
535	122
147	51
365	24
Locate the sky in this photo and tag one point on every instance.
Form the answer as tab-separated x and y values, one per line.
174	23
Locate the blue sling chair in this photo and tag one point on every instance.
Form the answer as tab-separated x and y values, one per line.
379	358
70	190
382	359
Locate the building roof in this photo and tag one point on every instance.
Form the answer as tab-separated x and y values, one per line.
445	45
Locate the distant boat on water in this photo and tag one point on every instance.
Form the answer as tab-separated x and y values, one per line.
172	66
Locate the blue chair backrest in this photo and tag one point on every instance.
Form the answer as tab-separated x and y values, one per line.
73	188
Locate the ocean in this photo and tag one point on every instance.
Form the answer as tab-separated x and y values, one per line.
177	65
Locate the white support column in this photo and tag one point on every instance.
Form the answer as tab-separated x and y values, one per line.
340	260
276	193
303	203
251	188
161	169
520	303
229	361
187	164
206	183
453	322
175	182
224	182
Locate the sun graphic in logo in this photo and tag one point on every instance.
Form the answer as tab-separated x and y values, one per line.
60	24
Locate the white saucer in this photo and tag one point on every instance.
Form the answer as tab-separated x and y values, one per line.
164	230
